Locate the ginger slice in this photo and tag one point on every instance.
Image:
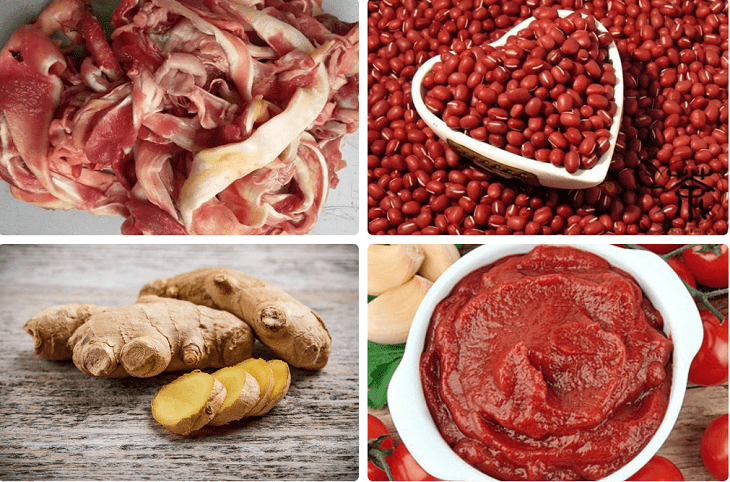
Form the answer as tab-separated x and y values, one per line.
282	380
263	374
188	403
242	394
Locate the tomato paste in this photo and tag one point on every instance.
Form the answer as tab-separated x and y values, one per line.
547	366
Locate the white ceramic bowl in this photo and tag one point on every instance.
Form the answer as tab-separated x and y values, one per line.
505	163
661	285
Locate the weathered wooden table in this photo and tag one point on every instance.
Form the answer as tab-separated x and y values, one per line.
57	423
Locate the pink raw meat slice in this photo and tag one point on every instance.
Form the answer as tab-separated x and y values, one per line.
214	117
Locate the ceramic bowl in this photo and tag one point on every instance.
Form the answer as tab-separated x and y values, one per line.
660	284
505	163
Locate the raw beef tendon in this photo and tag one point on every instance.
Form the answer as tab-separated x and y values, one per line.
197	117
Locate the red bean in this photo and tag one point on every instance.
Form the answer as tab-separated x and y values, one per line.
480	133
597	101
516	223
627	178
631	214
587	145
377	225
496	127
467	204
424	219
455	191
570	47
519	96
395	216
594	227
457	78
440	203
571	161
564	103
574	136
496	220
375	191
435	187
470	121
558	140
454	214
569	119
407	228
411	208
432	103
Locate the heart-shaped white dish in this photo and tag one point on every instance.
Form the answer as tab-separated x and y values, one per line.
507	164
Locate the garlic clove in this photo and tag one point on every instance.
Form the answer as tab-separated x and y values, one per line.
438	257
391	265
390	315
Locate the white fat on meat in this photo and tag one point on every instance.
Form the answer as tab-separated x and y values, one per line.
216	168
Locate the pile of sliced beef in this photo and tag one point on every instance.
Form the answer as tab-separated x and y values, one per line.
196	117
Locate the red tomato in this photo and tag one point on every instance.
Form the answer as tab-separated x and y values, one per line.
404	467
658	468
661	248
708	263
376	428
710	365
714	448
682	270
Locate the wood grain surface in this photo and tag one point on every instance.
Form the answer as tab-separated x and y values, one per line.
57	423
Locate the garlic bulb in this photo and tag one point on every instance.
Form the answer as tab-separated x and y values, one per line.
438	257
392	265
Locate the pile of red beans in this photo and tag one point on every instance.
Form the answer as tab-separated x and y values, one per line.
668	174
546	94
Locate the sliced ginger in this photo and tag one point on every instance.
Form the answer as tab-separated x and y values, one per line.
188	403
263	374
248	389
242	394
282	380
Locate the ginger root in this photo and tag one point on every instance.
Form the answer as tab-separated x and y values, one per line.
188	403
291	329
181	406
141	340
51	328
